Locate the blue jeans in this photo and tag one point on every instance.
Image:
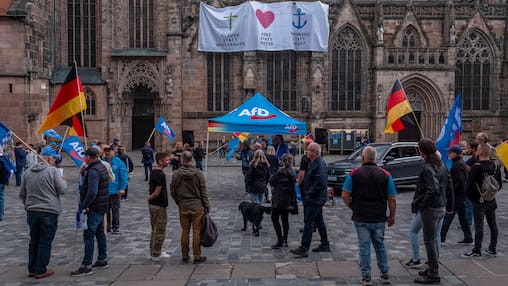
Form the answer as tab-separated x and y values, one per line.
43	227
148	170
2	200
313	215
375	233
95	228
257	198
414	229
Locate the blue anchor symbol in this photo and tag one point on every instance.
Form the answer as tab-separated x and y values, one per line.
299	14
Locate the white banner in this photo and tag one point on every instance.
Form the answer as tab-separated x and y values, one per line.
299	26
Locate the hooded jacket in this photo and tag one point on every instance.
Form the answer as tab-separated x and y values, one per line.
188	189
41	188
476	177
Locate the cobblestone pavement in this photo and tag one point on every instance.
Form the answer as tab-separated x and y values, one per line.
129	255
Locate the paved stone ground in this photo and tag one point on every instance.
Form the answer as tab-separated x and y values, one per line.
237	258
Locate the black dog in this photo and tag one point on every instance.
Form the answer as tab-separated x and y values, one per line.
253	213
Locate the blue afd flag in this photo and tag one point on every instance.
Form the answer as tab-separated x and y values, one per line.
232	144
451	131
75	149
53	134
5	135
163	127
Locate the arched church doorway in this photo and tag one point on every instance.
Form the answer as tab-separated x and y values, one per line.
142	116
411	133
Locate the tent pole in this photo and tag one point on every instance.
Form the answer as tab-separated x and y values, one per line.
206	151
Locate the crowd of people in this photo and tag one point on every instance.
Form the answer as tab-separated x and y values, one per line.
269	178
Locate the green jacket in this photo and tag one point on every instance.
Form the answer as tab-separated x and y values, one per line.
188	189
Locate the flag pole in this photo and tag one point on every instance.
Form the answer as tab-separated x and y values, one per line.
28	146
417	124
150	137
65	136
80	105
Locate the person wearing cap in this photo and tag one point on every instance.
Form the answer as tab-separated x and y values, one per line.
94	202
458	173
41	187
116	188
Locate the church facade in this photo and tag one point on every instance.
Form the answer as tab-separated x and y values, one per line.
138	60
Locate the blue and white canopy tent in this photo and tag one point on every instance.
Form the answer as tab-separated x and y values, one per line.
256	115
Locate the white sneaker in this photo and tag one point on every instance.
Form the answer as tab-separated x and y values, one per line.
158	258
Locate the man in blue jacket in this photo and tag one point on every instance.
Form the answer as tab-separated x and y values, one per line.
314	198
116	188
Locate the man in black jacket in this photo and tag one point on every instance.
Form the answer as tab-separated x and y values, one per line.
94	201
481	209
458	173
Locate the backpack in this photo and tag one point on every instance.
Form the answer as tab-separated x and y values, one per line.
489	188
7	169
209	232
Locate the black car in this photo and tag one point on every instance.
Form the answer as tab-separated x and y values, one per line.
401	159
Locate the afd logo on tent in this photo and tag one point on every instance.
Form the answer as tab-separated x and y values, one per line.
257	113
292	128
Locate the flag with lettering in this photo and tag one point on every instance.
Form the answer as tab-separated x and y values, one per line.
163	127
75	149
253	25
451	131
5	135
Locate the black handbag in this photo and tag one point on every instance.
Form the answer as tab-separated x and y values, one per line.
209	231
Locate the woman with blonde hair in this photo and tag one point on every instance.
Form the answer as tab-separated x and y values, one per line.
257	177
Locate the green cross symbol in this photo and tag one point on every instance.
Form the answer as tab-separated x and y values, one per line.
230	17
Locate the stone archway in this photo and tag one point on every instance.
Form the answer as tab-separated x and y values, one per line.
427	102
145	93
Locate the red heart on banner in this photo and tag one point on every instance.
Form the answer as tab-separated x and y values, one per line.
265	18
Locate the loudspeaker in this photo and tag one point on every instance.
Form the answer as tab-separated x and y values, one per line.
321	135
188	137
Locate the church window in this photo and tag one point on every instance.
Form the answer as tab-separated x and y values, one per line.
81	33
141	24
281	79
90	102
409	38
473	72
219	85
346	71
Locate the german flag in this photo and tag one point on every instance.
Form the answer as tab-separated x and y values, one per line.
75	123
69	102
397	107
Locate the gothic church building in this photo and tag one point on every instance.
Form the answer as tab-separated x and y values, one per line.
138	60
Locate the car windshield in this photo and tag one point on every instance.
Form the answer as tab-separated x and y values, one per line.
357	155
